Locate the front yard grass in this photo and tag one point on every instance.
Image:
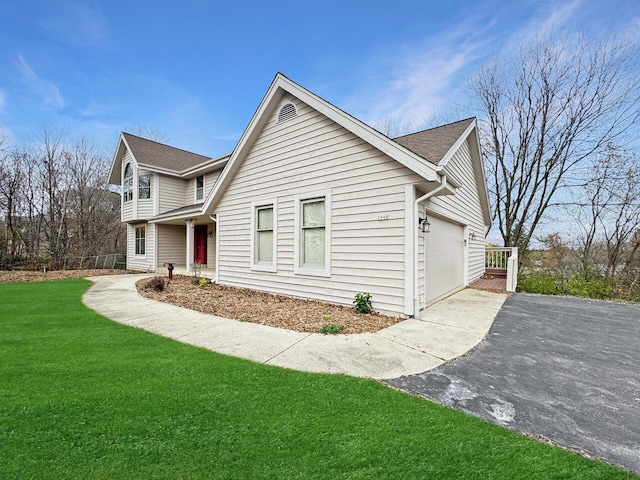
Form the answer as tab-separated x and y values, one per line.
84	397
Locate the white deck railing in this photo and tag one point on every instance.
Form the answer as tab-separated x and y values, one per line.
503	261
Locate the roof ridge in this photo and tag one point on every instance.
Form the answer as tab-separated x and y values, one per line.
168	146
433	128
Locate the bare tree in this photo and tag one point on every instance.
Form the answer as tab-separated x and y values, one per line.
93	217
547	109
150	133
393	126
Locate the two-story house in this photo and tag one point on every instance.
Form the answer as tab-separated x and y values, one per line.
313	203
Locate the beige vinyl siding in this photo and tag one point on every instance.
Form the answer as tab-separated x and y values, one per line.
172	244
307	154
144	262
211	246
172	193
209	181
145	206
464	207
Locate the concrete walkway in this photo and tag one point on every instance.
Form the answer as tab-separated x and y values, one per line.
445	330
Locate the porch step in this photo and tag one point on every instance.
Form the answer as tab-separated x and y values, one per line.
496	272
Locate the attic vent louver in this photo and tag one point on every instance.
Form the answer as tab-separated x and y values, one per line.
287	112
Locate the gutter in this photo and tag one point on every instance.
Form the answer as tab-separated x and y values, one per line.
416	286
214	219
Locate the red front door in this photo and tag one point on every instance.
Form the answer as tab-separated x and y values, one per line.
200	245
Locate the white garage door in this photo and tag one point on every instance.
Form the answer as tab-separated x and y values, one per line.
443	258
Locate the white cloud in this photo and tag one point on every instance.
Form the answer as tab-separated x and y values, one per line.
424	76
46	90
3	99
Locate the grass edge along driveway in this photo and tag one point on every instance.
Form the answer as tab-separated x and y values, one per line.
84	397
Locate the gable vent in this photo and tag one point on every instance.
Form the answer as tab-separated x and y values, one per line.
287	112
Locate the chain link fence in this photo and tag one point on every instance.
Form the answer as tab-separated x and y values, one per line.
112	261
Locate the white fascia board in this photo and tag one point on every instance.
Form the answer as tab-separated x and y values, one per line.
186	174
116	156
204	167
454	148
178	216
282	84
225	178
478	167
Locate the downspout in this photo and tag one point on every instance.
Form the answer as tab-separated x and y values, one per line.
214	219
416	286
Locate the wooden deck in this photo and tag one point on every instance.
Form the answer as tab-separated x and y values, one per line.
491	283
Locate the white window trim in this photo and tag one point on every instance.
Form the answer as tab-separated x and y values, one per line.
135	241
195	188
298	199
262	267
150	185
124	179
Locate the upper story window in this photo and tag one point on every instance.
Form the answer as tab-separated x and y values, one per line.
127	184
144	186
199	187
287	112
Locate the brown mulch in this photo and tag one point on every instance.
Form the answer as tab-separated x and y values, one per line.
264	308
16	276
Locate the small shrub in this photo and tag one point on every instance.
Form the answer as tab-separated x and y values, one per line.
205	283
332	329
363	302
156	283
538	284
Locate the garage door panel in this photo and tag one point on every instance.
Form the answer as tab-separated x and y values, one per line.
444	250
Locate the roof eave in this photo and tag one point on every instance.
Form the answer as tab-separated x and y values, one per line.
282	84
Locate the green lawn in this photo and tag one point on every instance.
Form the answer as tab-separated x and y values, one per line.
84	397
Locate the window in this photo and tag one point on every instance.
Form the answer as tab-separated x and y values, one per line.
313	234
144	186
313	226
287	112
264	236
140	240
200	187
127	184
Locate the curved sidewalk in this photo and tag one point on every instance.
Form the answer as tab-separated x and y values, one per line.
445	330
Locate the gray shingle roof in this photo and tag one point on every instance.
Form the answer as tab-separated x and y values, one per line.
154	154
434	143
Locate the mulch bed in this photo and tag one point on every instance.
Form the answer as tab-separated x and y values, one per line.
17	276
264	308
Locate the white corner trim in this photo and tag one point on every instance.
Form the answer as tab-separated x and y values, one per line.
410	224
260	267
297	216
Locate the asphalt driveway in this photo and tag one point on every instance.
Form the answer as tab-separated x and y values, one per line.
565	369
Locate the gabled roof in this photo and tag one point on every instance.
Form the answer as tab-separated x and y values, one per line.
161	158
282	85
434	143
155	154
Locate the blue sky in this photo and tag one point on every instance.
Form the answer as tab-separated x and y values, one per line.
196	70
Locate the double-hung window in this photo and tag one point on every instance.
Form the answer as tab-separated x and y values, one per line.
313	233
141	234
127	184
264	236
199	188
144	187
